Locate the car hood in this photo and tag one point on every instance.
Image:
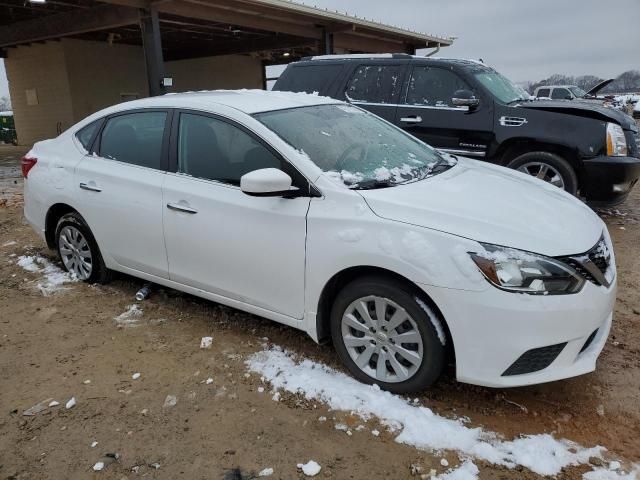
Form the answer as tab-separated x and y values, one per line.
596	88
583	108
492	204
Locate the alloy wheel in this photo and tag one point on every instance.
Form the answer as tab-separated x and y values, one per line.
382	339
543	171
75	252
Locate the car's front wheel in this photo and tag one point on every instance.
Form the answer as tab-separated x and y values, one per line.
549	167
387	335
79	251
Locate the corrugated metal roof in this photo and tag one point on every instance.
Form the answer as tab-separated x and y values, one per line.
414	36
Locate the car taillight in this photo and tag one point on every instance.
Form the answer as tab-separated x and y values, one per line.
27	164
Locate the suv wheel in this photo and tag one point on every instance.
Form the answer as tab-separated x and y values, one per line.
384	335
548	167
79	251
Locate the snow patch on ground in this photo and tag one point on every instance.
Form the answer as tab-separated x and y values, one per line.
417	426
310	469
53	277
466	471
607	474
130	316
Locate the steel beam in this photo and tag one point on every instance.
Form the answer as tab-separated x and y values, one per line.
73	22
152	46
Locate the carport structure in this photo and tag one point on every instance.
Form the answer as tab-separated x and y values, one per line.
68	58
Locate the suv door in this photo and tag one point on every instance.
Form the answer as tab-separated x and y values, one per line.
119	189
221	240
427	112
561	94
376	86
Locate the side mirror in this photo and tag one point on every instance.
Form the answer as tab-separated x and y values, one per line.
266	182
465	98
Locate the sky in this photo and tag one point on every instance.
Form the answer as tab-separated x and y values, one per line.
526	41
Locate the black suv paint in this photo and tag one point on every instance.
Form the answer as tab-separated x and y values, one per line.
469	109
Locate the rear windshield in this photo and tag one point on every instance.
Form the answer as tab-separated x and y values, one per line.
308	78
356	147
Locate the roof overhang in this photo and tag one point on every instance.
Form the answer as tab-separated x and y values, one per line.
207	27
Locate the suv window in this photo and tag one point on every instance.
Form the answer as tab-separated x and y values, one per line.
309	78
560	93
86	134
433	86
543	92
216	150
375	83
134	138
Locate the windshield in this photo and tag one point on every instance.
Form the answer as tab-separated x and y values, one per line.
354	146
577	92
501	87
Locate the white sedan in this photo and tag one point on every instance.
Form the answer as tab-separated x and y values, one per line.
321	216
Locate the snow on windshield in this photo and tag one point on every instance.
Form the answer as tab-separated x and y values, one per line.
353	146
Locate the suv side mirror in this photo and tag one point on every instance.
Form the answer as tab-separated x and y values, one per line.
465	98
266	182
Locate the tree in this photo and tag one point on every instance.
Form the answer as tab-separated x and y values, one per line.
626	82
5	104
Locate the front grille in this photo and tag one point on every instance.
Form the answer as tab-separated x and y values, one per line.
599	257
534	360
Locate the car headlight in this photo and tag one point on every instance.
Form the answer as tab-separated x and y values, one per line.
523	272
616	141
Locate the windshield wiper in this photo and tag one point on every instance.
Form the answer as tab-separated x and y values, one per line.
373	184
440	166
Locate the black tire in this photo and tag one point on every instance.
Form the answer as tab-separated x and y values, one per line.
433	358
99	272
556	162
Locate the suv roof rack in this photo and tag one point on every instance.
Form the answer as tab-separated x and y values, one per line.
357	56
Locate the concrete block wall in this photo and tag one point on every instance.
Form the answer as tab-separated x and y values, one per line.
74	78
210	73
39	67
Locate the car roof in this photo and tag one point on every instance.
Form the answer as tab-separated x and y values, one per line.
247	101
554	86
474	65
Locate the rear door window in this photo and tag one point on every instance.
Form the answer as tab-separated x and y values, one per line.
86	135
308	78
433	87
134	138
543	92
375	84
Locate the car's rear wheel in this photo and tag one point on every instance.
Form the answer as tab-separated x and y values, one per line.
385	334
79	251
549	167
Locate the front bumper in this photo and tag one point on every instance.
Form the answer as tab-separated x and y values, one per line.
608	180
493	329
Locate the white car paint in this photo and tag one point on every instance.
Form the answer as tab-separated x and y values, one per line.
274	256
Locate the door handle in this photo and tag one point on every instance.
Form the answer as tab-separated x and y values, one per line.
411	119
91	186
181	207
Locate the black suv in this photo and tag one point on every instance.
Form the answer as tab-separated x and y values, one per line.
466	108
